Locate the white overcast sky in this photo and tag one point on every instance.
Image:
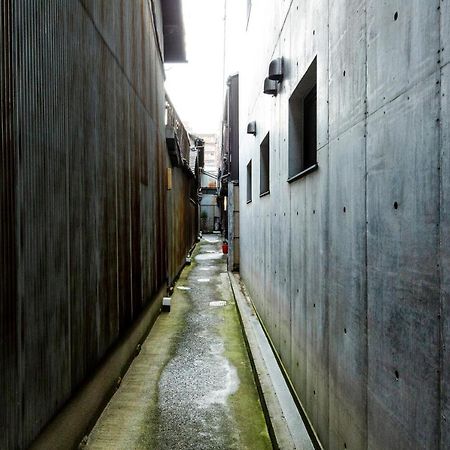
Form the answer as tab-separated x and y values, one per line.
196	88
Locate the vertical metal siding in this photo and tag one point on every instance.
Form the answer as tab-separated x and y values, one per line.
84	229
9	314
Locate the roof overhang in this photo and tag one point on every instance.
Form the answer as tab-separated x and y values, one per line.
173	25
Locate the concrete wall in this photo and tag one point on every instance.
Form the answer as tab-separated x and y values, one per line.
83	207
348	266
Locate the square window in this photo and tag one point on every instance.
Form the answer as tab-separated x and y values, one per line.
264	166
303	125
249	181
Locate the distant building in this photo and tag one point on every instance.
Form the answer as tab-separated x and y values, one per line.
211	152
209	211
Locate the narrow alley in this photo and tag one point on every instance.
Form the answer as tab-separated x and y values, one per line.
191	386
224	224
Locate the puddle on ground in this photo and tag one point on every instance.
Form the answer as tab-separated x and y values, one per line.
230	384
184	288
205	268
203	280
218	303
208	256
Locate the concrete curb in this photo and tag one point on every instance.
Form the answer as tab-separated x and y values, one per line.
79	415
285	422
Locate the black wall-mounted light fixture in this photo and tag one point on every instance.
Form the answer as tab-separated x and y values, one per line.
276	70
270	87
251	128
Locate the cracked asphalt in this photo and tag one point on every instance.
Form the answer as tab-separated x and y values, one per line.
191	387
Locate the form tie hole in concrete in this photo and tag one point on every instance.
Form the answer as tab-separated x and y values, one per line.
395	16
314	32
395	205
345	330
314	305
314	211
345	445
314	392
343	73
345	209
397	375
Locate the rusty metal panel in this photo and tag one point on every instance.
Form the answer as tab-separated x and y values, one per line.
10	393
41	188
85	231
182	208
182	222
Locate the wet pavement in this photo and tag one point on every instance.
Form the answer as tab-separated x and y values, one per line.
191	387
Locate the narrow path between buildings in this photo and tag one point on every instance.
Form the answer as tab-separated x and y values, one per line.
191	386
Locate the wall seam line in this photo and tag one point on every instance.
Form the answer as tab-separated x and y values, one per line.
366	234
439	249
327	215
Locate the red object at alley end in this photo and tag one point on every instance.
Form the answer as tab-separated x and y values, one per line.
225	247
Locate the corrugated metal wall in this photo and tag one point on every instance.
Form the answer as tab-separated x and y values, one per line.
83	229
182	221
9	342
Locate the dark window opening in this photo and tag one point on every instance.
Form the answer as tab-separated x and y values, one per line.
249	182
264	167
310	129
303	125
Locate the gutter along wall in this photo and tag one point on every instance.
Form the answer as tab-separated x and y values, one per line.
84	229
348	266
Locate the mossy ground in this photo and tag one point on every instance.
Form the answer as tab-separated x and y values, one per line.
245	404
139	413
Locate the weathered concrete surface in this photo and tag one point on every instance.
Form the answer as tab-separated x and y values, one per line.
356	301
445	251
346	281
402	269
192	386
